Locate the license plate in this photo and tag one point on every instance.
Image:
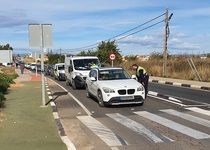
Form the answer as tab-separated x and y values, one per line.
126	97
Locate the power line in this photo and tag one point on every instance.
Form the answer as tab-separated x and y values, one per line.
90	46
139	30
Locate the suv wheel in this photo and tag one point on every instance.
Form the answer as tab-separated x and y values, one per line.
100	99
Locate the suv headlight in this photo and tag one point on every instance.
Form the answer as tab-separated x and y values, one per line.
141	88
108	90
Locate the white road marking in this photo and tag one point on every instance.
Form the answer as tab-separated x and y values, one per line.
173	125
152	93
136	127
183	105
100	130
188	117
199	110
174	99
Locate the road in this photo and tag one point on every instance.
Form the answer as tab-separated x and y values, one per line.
175	123
183	93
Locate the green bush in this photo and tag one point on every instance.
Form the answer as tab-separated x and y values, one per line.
2	99
7	78
4	87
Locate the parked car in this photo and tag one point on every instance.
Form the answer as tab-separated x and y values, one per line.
38	67
114	86
33	66
59	72
48	69
52	71
28	65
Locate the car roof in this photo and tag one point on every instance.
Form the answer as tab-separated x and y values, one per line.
60	64
107	68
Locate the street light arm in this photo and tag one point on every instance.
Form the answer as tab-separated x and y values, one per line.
170	16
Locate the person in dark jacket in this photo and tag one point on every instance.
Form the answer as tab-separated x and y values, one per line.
22	68
142	76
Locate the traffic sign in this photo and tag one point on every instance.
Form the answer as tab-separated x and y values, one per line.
112	56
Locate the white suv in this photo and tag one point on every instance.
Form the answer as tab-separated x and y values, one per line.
114	86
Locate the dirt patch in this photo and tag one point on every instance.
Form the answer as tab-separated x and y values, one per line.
17	84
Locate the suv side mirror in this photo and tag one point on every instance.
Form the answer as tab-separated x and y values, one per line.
134	77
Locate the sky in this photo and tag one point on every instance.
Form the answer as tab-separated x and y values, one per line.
137	26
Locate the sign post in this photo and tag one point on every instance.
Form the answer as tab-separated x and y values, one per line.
40	36
112	57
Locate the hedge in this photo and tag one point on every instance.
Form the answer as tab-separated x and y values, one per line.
2	99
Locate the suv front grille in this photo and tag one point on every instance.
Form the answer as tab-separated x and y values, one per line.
124	92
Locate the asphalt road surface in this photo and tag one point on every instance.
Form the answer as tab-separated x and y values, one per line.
180	121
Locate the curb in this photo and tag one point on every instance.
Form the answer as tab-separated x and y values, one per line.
61	131
180	84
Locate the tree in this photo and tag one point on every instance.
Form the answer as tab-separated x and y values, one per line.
104	49
131	57
54	58
5	47
88	53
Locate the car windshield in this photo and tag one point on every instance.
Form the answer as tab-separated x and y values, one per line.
117	74
60	67
85	64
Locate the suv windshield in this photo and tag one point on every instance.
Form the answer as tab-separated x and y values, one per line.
60	67
113	74
85	64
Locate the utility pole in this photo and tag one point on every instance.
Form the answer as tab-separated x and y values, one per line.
165	42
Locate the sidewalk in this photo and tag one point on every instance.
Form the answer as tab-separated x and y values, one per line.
179	82
24	125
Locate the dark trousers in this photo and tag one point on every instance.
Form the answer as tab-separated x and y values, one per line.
145	80
22	72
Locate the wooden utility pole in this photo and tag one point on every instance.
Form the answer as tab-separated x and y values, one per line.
165	44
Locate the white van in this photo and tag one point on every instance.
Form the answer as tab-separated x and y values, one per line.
59	72
77	69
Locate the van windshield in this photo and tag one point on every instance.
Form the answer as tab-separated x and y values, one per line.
85	64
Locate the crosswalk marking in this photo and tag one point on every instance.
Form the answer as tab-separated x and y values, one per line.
140	129
188	117
173	125
102	131
199	110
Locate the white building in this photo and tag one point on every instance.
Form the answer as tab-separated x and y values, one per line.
6	57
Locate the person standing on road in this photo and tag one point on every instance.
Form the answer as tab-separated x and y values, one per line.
22	68
16	65
142	76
